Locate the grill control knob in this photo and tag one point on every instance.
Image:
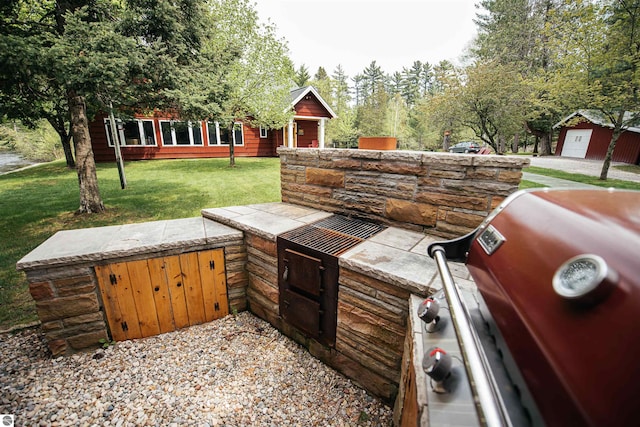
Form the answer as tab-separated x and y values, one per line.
428	313
437	364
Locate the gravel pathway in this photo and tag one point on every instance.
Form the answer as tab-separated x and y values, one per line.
237	371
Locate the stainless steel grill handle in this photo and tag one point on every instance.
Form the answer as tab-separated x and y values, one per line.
489	402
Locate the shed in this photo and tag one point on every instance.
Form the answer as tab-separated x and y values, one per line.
586	134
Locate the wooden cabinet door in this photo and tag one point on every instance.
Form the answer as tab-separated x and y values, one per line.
148	297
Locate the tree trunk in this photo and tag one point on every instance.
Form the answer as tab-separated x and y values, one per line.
617	130
57	123
516	143
445	141
232	157
90	201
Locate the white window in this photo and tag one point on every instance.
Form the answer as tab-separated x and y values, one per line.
180	133
219	135
263	132
132	132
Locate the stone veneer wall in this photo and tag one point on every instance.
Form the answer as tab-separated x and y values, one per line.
371	320
439	193
70	308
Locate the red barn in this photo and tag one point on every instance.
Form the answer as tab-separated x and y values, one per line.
587	133
163	136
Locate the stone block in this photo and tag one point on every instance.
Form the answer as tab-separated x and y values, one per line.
354	280
74	285
399	168
268	273
56	325
511	177
495	201
325	177
61	308
57	347
479	187
392	373
482	173
447	174
263	245
430	182
464	219
373	305
370	325
83	319
263	288
441	159
254	297
237	279
451	231
370	381
390	359
345	163
90	339
41	291
408	211
476	203
501	161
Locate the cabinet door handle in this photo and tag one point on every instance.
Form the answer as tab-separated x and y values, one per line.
285	274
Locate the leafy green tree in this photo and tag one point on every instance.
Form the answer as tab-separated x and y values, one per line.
488	99
597	63
513	32
256	80
26	94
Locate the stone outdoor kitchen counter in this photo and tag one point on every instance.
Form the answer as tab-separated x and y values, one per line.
119	241
395	256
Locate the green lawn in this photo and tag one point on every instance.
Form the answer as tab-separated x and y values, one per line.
37	202
586	179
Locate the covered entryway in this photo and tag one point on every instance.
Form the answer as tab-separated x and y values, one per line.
576	143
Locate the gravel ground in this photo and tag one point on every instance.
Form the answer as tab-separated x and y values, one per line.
237	371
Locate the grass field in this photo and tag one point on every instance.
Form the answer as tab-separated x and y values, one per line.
37	202
585	179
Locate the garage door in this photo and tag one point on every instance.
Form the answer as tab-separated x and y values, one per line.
576	143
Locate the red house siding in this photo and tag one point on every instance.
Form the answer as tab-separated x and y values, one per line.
627	148
253	146
311	107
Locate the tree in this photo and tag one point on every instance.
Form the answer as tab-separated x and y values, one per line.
302	76
597	59
86	51
26	94
488	99
258	74
513	32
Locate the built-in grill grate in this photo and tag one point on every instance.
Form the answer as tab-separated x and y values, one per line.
333	235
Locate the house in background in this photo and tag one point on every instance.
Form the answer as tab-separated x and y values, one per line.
162	136
590	135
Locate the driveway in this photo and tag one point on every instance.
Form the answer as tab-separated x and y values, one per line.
583	166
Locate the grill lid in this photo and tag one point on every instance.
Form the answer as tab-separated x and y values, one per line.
333	235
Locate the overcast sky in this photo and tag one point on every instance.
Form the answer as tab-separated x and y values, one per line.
352	33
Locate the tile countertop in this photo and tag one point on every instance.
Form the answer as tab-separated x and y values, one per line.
395	255
111	242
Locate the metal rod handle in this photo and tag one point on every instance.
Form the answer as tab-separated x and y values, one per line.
489	401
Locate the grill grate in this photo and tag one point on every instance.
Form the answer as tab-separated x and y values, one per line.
333	235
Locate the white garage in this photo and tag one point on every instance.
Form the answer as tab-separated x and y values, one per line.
576	143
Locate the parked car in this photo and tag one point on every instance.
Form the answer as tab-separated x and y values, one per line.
465	147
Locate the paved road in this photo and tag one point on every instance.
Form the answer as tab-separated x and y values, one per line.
583	166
